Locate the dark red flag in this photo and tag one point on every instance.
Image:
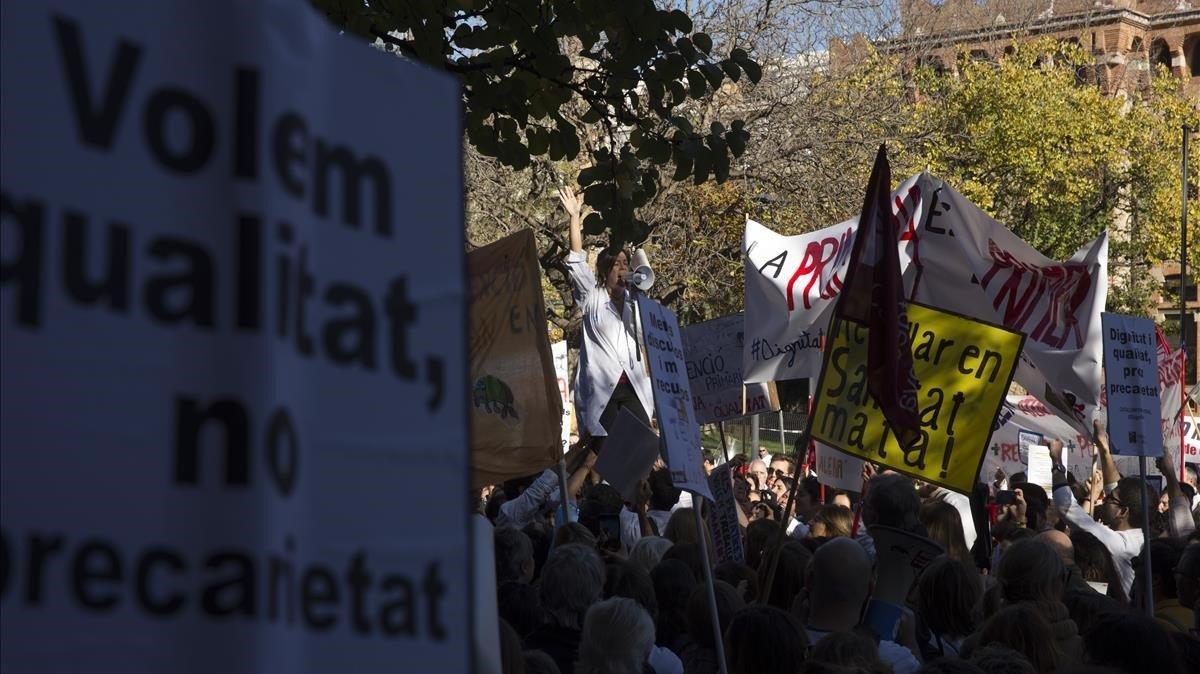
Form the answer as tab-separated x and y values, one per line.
874	296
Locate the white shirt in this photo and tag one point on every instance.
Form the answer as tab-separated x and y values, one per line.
1122	545
610	347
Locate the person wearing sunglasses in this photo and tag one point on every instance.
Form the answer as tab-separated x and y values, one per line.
1119	528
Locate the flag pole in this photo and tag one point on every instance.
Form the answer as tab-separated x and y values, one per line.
1148	601
724	447
719	641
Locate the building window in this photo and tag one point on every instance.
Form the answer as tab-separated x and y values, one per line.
1192	52
1160	54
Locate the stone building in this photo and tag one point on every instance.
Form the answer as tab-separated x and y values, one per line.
1127	37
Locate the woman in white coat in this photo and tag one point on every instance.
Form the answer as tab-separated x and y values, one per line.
611	375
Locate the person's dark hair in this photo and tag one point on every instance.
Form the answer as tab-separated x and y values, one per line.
791	462
947	594
1188	491
1086	607
699	620
759	535
945	526
605	260
1096	564
837	520
1134	494
1017	478
789	574
765	640
854	650
539	662
513	487
572	581
513	550
663	494
521	606
491	509
673	583
737	573
811	486
540	535
573	533
600	501
1188	647
892	501
997	659
1023	629
1132	643
950	665
1165	554
627	579
512	658
1032	571
688	553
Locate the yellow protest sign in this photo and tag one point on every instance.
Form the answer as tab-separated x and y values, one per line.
965	367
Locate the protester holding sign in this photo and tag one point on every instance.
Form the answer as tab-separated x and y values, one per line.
611	373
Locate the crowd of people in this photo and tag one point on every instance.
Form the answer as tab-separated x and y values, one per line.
1027	581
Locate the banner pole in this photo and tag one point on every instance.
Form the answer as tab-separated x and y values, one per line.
562	489
1183	315
724	447
719	640
779	538
1148	601
782	439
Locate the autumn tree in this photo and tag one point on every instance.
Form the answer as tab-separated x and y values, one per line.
1058	161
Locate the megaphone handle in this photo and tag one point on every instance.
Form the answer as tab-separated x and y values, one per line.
637	347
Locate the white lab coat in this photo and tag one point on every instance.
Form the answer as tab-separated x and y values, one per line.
610	347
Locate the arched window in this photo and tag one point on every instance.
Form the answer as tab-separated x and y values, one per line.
1191	51
1160	54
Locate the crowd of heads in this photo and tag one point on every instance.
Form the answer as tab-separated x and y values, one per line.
1013	587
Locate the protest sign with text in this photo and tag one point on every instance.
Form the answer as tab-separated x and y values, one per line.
563	379
673	397
234	345
714	364
1022	414
516	405
1131	385
723	519
964	368
838	469
791	282
971	264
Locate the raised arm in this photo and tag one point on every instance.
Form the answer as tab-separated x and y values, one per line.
572	203
1107	466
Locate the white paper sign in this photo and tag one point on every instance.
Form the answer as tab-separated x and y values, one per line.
561	372
1131	385
714	364
673	397
1041	468
837	469
232	317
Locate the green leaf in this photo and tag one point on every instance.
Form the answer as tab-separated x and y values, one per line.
703	42
697	83
752	69
731	70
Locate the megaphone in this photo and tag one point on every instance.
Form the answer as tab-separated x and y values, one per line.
641	275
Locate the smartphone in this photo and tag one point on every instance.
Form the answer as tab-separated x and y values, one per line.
1006	497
